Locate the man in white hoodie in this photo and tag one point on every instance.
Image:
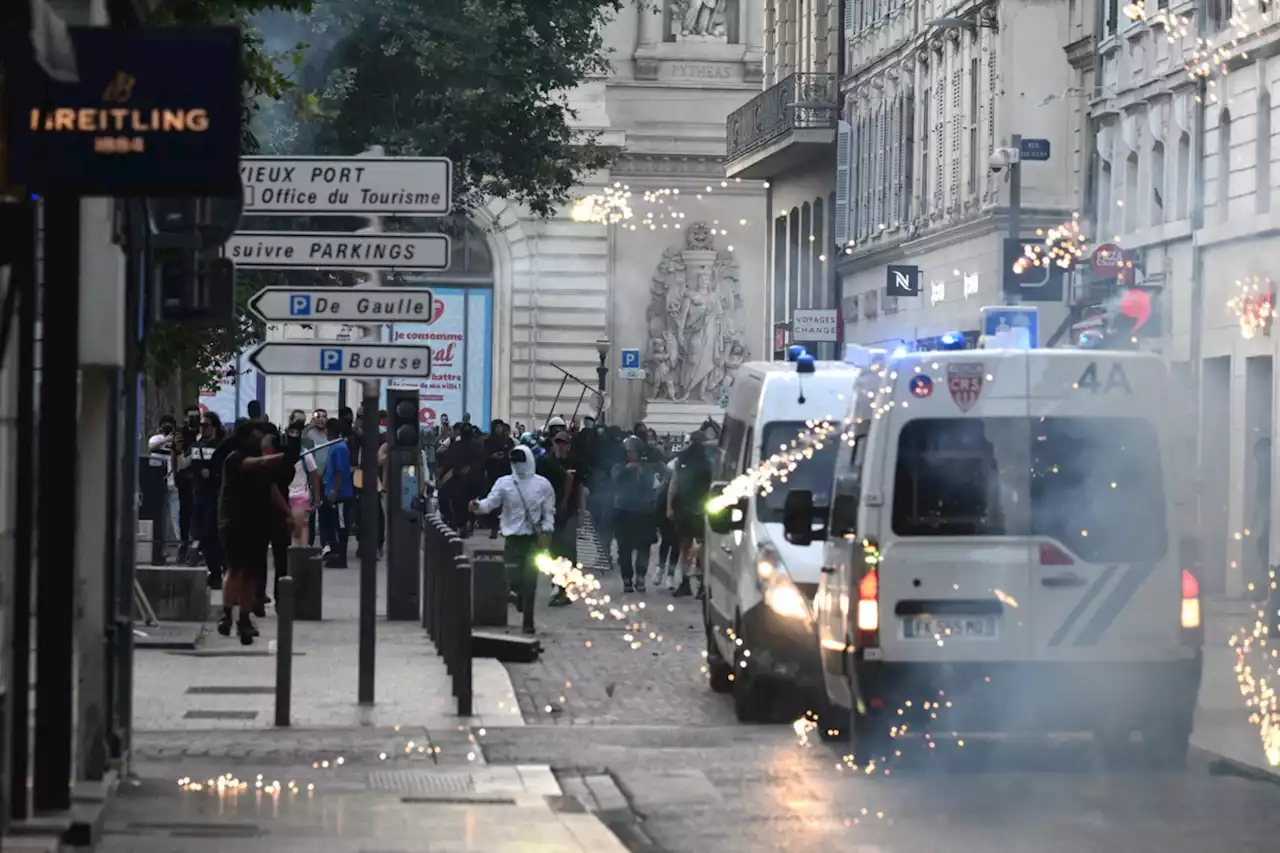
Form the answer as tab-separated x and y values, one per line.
528	518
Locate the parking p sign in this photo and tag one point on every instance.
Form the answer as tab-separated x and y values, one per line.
300	305
630	358
330	360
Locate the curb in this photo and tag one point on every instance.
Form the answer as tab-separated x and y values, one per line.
1221	765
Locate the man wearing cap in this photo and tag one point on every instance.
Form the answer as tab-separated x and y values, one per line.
567	476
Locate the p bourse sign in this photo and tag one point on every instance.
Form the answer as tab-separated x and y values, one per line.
154	113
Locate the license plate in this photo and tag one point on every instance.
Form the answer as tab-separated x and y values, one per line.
949	628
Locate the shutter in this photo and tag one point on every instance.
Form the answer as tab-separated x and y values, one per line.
844	158
848	20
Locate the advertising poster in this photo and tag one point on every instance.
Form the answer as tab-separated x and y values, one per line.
460	335
239	384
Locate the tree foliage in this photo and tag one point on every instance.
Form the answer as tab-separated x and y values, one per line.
482	82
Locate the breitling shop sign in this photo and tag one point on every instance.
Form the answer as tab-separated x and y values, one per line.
154	113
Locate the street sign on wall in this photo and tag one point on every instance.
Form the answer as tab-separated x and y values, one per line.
341	359
1034	150
297	250
814	325
329	186
344	305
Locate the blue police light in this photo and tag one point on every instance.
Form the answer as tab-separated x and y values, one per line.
950	339
794	352
899	352
804	363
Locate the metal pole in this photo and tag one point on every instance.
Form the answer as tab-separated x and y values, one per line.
56	490
368	541
284	649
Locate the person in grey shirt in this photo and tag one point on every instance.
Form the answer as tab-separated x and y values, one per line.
317	433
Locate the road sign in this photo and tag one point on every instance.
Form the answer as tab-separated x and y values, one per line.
630	358
264	250
1036	283
1034	150
331	186
339	360
1011	326
814	325
631	373
345	305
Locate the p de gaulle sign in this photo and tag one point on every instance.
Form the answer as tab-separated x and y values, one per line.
155	113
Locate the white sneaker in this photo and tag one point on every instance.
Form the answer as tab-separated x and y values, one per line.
671	579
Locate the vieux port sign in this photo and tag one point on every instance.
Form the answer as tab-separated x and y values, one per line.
153	113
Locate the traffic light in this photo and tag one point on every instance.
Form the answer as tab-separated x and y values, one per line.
402	417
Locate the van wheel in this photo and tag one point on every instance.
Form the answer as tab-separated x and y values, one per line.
718	668
750	703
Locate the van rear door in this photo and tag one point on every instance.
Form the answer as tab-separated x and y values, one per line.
1106	583
954	569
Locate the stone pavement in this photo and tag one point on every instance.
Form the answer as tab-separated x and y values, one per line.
223	685
208	770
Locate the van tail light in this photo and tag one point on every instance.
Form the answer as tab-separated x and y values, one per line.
869	609
1052	555
1190	600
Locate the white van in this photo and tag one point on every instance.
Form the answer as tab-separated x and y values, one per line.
1004	534
760	588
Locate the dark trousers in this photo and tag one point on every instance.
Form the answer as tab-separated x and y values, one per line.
335	528
204	522
635	538
669	549
522	573
602	519
186	503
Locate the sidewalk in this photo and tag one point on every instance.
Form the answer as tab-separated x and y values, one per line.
224	685
1222	726
404	775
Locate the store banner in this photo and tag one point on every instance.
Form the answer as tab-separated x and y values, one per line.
460	335
239	383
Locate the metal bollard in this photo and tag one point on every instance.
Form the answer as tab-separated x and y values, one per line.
284	649
462	605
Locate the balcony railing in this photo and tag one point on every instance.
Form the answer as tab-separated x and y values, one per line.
805	101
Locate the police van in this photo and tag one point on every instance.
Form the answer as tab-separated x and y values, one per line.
760	588
1002	547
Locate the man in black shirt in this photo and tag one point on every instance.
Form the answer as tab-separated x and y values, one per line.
245	521
281	532
206	478
567	476
686	499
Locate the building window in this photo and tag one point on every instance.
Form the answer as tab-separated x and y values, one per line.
1113	15
972	179
908	158
1262	182
1224	164
1184	177
1130	213
926	194
1157	183
1104	197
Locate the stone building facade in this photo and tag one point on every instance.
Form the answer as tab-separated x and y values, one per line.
559	286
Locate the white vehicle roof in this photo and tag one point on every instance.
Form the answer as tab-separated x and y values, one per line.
766	391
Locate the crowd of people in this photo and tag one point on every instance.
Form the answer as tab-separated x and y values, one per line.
537	488
236	494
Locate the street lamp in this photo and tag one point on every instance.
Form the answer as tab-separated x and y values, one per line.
602	373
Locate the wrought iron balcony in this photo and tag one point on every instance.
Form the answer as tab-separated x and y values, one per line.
804	101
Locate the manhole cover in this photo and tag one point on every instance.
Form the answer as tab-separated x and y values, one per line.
232	689
422	782
220	715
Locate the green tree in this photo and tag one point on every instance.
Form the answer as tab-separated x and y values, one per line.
482	82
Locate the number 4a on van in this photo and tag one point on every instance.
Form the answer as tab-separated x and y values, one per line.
1115	379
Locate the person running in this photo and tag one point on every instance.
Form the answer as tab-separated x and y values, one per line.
567	477
245	523
633	501
206	470
527	506
686	501
669	547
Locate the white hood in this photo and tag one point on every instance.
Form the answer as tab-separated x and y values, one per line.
522	468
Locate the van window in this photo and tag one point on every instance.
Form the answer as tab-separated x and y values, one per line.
1094	484
730	450
816	474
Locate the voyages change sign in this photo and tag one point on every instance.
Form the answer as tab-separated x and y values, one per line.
154	113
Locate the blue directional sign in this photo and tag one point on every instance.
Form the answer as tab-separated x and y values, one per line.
331	360
299	305
1034	150
631	358
1012	327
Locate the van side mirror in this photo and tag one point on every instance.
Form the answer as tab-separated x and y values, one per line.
730	518
798	517
844	507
